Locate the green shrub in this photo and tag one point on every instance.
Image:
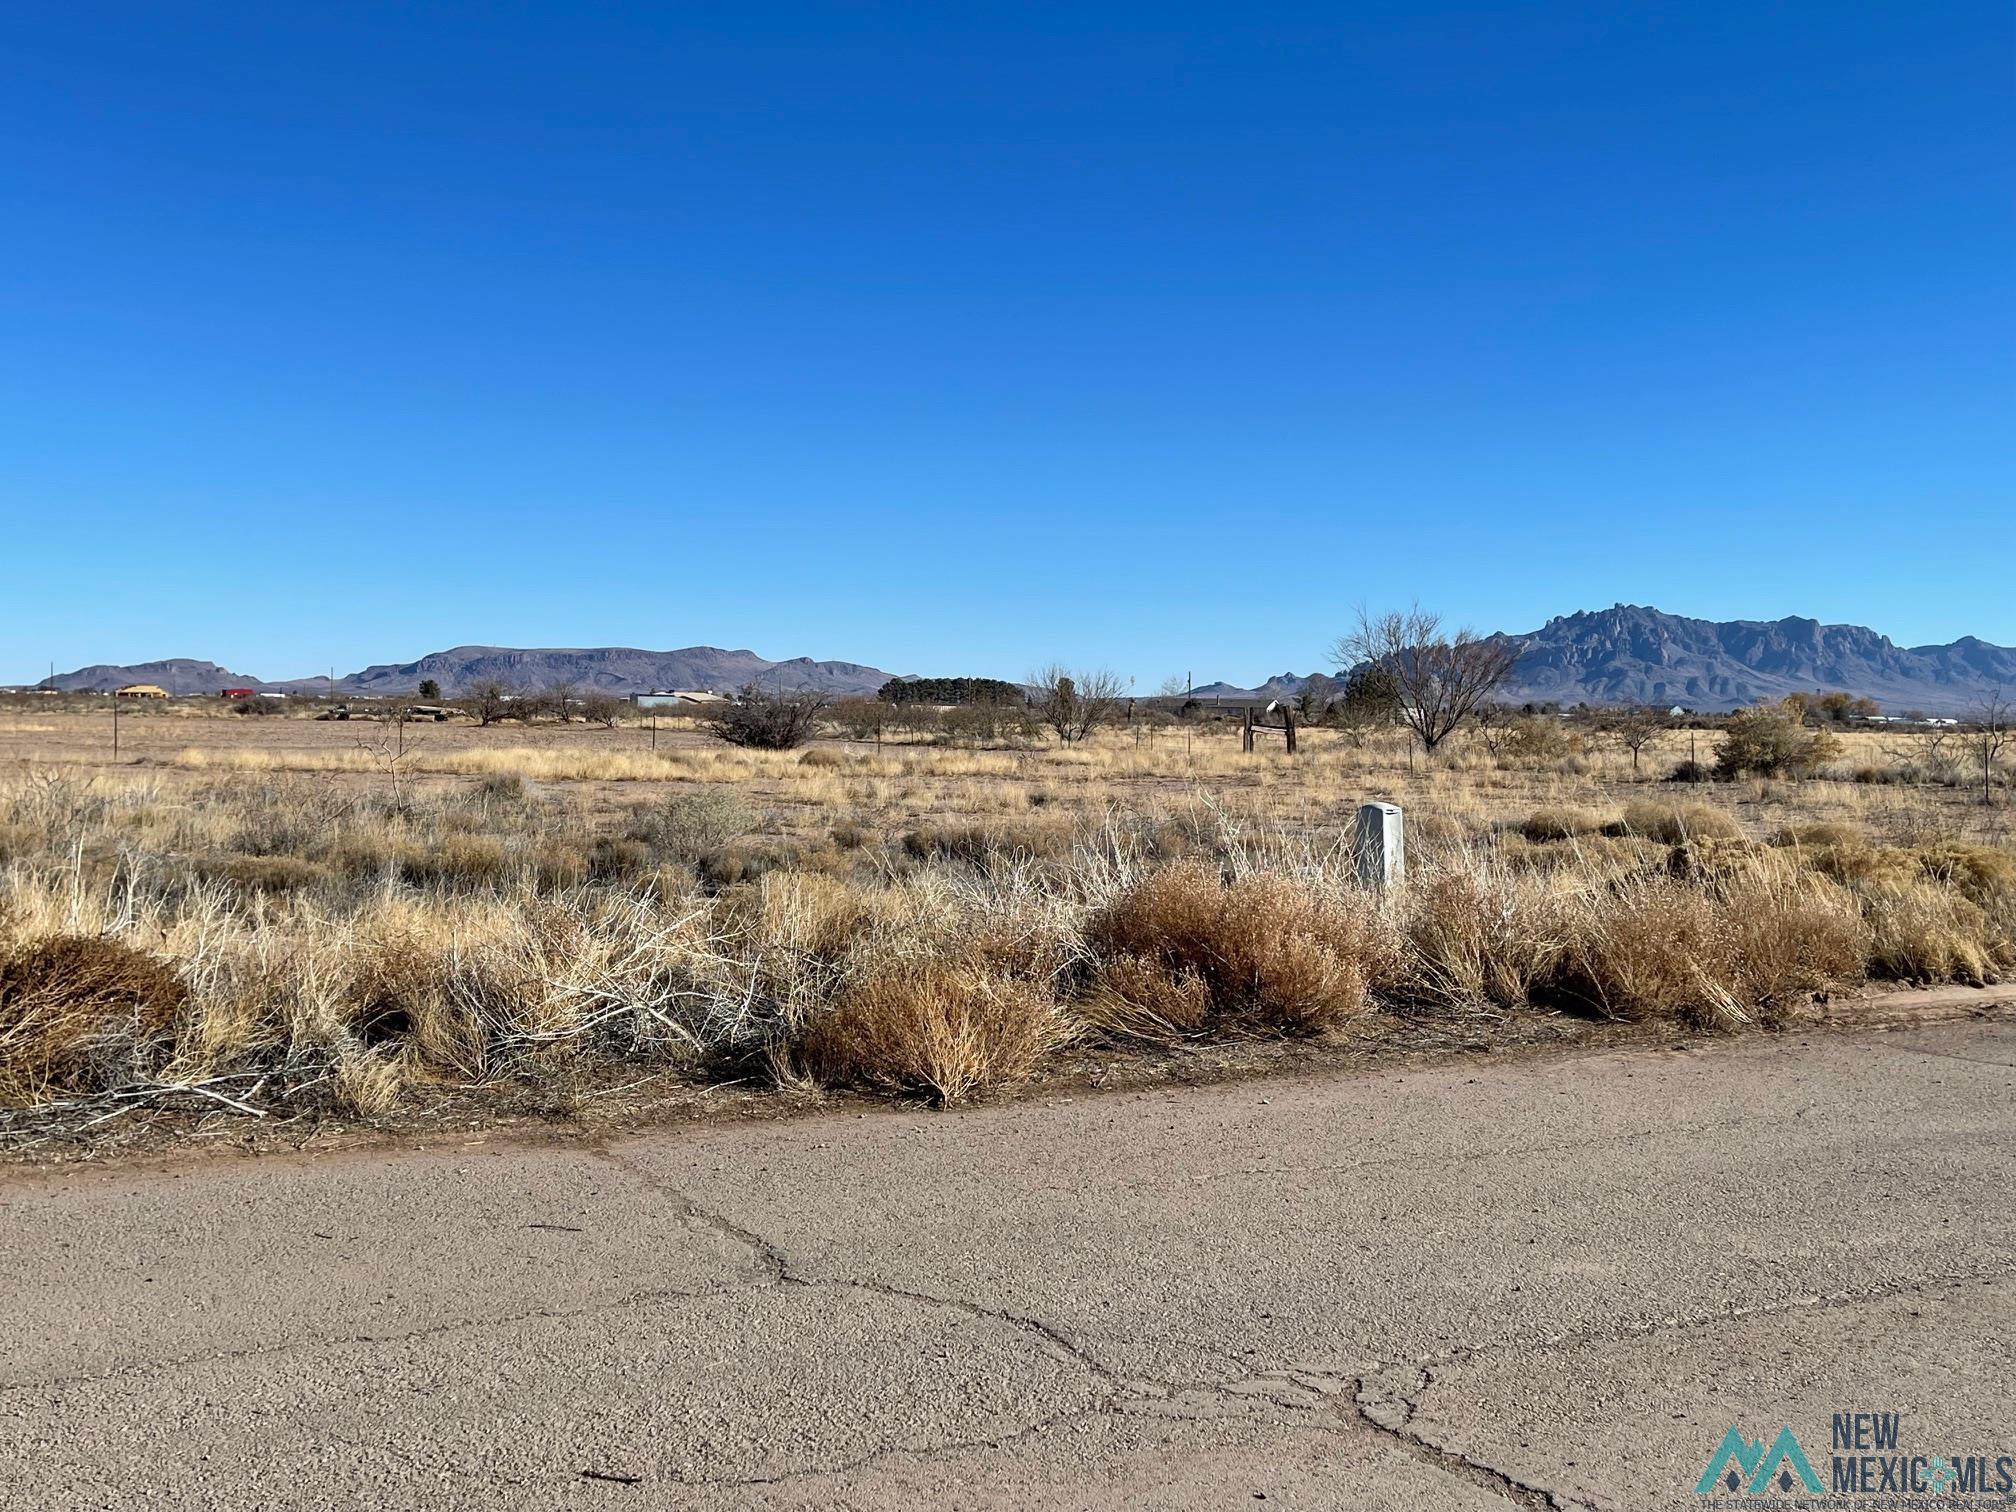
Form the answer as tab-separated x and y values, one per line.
1773	740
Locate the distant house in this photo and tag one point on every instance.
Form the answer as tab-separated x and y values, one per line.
1678	711
142	690
676	698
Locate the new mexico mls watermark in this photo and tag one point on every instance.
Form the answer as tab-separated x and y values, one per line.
1869	1466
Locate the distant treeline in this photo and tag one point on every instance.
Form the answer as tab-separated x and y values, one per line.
950	690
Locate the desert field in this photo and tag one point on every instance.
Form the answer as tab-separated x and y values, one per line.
350	921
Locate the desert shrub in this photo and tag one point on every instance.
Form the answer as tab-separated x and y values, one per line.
848	835
1272	954
501	788
1135	998
275	819
455	862
1677	823
1792	939
687	826
944	1026
1923	932
369	855
984	844
1826	835
554	862
81	1014
1692	771
1720	861
1531	739
615	858
810	914
822	756
264	874
1543	825
1740	950
1476	936
747	862
1857	862
1652	948
448	981
1773	740
1591	856
366	1083
1981	873
764	720
1434	830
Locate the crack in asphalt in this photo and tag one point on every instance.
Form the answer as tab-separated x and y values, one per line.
1977	1060
1308	1382
1403	1436
1364	1400
1473	1471
1623	1331
778	1264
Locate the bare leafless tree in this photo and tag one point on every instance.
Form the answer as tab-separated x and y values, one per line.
560	698
487	702
600	707
1075	704
1991	726
1931	752
1442	678
1635	729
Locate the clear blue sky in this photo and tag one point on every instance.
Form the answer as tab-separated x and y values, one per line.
955	338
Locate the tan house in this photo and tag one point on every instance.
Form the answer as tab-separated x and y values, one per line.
141	690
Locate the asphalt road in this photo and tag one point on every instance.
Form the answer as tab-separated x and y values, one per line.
1546	1283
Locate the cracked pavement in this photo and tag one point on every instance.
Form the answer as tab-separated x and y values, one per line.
1548	1283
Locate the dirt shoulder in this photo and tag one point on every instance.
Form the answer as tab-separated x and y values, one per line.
622	1103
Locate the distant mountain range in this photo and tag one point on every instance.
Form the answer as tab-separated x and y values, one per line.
614	669
1621	655
1634	655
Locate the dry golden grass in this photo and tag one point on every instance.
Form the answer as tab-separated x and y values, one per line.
350	931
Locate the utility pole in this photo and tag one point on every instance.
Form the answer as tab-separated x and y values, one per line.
115	724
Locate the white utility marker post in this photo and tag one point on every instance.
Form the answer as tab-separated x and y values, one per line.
1381	846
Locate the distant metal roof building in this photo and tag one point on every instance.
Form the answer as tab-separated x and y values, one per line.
142	690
